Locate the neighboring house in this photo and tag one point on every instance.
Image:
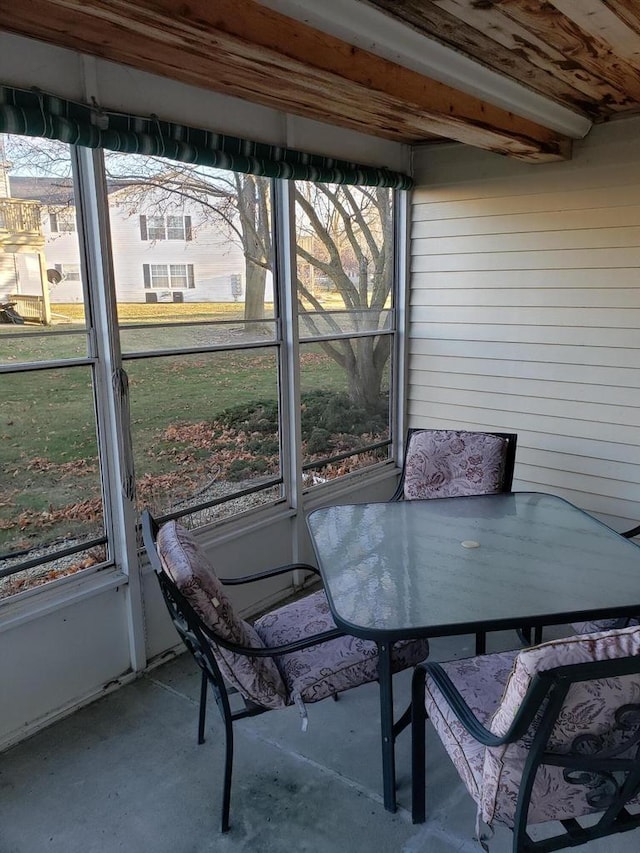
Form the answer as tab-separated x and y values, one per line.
173	257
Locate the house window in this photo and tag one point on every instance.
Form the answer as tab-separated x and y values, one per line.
165	227
68	272
168	276
62	221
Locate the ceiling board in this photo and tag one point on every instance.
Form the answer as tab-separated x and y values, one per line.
581	56
579	53
242	48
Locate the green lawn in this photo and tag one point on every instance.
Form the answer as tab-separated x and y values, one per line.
49	477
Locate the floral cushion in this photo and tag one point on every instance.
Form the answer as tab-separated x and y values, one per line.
316	672
448	463
602	625
481	682
589	707
257	678
494	687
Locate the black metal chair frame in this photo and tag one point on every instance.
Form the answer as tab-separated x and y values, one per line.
509	465
198	639
600	771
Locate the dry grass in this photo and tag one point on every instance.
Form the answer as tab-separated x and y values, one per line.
142	311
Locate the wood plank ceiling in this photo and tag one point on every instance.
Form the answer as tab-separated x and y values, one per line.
582	54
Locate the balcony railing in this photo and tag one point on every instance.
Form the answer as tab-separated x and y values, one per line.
19	218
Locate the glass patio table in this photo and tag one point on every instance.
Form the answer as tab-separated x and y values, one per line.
461	565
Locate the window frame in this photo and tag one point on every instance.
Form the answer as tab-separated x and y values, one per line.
162	227
67	218
108	364
189	277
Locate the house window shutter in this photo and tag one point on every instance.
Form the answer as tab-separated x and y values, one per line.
53	222
143	228
187	228
190	276
146	272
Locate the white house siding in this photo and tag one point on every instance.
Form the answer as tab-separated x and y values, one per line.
525	312
7	275
214	258
19	273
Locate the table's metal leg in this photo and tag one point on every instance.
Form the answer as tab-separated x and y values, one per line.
386	726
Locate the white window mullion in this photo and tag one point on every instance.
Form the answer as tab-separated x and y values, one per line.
401	209
285	268
114	438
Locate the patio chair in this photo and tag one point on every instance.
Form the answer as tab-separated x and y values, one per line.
443	463
294	654
606	624
549	733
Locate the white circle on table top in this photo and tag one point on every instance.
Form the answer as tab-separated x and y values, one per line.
470	543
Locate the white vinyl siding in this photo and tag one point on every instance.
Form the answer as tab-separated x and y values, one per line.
217	261
525	312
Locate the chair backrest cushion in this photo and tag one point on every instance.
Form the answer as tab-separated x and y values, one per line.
186	564
589	708
451	463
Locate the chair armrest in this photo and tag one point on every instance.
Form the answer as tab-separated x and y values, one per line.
398	495
523	719
272	651
269	573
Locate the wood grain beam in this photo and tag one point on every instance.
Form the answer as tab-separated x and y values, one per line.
549	41
492	46
241	48
583	38
627	10
603	24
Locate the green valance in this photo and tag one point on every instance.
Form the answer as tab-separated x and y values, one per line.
34	113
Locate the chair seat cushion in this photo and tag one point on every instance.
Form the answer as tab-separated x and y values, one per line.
588	707
257	678
480	680
602	625
322	670
452	463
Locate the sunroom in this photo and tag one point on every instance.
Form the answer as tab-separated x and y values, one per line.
252	248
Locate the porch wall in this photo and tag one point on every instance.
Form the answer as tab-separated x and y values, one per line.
68	643
525	311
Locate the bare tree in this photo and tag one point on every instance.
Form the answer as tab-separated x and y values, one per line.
344	238
344	244
351	232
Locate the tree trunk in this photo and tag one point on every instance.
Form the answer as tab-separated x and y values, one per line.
256	279
365	366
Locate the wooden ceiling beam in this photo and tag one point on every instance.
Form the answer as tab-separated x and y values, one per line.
580	39
545	39
605	25
241	48
482	35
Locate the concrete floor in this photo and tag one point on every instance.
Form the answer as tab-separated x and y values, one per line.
126	774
